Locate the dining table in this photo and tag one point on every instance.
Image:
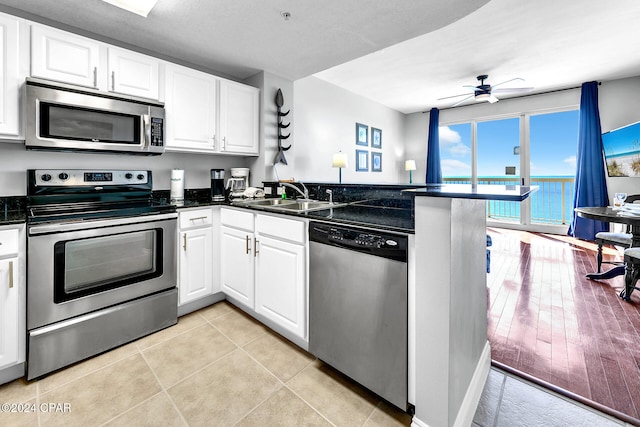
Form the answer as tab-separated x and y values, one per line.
629	215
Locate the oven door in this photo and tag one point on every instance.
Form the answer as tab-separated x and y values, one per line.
80	267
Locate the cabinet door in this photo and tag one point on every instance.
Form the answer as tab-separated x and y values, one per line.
236	247
10	80
280	283
190	108
195	275
58	55
132	73
239	121
9	285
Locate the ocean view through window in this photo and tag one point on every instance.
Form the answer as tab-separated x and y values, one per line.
545	157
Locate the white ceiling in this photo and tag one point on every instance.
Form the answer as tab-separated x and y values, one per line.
404	54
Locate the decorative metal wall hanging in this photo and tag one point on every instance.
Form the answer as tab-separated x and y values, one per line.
280	158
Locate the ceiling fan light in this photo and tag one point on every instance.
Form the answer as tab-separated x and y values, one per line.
482	96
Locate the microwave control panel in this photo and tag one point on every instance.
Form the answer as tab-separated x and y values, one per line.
157	132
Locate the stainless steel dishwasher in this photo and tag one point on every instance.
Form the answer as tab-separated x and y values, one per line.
358	306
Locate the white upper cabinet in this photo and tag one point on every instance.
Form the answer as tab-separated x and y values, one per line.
69	58
132	73
11	77
65	57
239	121
190	109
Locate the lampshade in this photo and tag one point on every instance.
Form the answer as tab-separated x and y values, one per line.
340	160
139	7
410	165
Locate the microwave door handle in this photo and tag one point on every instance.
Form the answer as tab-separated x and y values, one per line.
146	122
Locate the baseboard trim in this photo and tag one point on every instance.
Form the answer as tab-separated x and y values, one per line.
11	373
472	397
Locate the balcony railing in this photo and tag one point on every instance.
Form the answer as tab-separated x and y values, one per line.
551	204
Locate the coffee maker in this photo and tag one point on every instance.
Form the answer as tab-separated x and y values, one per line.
217	185
238	183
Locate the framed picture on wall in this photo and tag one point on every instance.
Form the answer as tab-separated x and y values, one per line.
376	162
376	138
362	160
362	134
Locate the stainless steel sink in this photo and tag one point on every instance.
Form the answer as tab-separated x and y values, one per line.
288	205
265	202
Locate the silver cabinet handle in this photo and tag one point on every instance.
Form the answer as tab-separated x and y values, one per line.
224	142
197	218
95	76
184	239
247	248
113	81
255	247
10	274
214	141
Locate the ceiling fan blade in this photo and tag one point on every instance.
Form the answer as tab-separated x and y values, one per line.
454	96
461	101
493	99
512	90
520	79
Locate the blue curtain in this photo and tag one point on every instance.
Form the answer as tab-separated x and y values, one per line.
591	184
434	171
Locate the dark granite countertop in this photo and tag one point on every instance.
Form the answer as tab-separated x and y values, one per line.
12	210
514	193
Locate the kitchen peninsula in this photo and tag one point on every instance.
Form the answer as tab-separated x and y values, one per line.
452	352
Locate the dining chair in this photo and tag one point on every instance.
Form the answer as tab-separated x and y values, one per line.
632	272
616	239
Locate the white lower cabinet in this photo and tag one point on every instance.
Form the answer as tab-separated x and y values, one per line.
195	259
280	279
12	296
264	266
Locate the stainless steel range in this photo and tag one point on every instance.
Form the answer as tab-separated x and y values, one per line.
100	267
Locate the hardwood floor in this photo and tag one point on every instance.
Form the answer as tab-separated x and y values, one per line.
547	320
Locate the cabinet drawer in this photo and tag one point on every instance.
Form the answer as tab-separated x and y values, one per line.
195	218
281	228
237	218
8	242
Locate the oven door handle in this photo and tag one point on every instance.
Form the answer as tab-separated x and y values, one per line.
85	225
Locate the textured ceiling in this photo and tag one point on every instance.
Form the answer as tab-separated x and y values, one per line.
404	54
242	37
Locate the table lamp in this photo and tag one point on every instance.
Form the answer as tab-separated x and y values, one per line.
410	165
340	161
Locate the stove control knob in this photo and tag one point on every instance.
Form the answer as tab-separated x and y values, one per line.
140	176
63	176
128	175
46	177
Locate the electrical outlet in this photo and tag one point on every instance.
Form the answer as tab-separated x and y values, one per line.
267	191
279	191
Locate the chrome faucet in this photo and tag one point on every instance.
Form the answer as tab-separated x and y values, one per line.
330	193
305	194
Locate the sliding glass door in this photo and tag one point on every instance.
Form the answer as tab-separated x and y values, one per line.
527	149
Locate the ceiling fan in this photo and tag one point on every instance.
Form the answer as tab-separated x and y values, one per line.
486	92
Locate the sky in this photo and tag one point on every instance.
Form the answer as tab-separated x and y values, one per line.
553	136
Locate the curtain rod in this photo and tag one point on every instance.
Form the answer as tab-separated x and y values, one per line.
519	96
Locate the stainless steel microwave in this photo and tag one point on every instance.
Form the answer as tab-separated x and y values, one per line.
64	117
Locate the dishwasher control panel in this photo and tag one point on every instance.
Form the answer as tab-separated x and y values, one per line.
369	241
362	239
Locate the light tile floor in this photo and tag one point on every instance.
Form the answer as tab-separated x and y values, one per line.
218	366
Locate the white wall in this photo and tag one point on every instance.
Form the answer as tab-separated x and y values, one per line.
325	123
15	161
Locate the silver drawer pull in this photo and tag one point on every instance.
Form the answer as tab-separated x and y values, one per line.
247	248
184	238
255	247
198	217
10	274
